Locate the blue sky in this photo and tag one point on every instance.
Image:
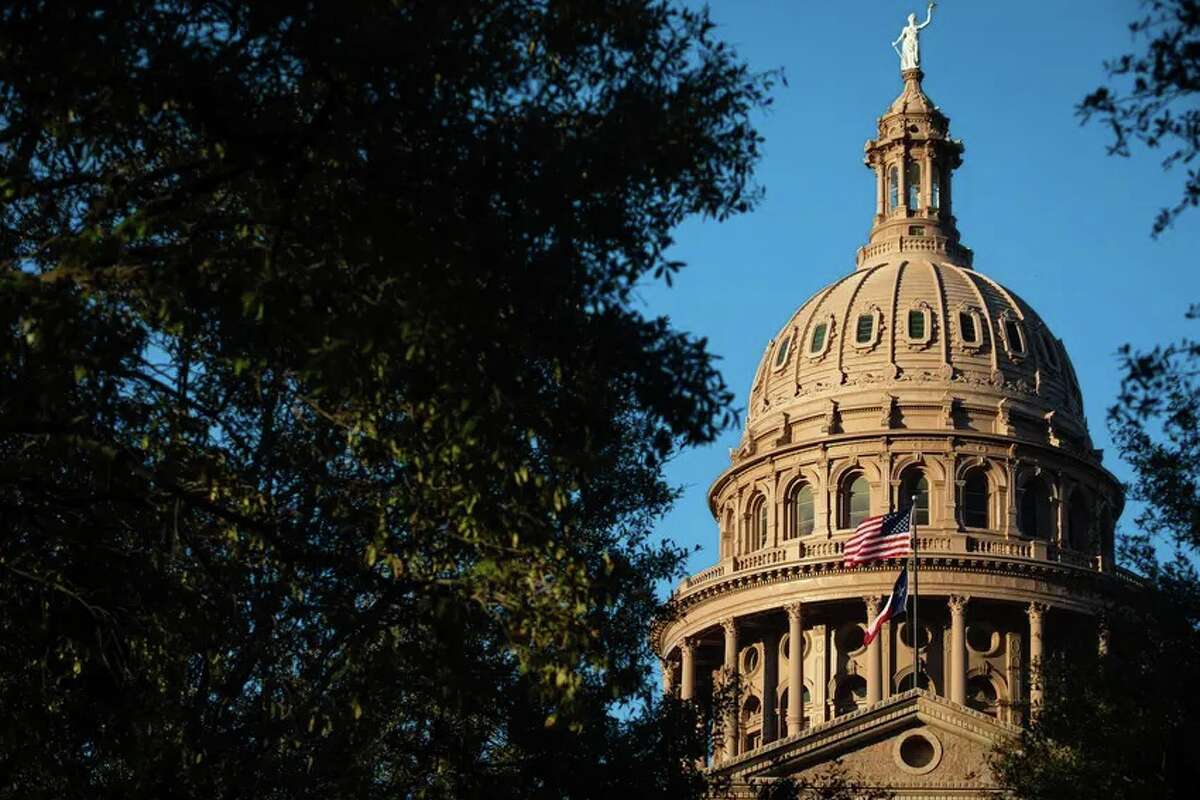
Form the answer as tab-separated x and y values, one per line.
1048	213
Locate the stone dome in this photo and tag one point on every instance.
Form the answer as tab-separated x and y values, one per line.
910	334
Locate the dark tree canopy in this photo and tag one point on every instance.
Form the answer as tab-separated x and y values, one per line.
331	438
1157	97
1125	724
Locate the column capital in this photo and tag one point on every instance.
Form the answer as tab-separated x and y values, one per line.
688	645
872	601
958	603
729	625
1036	610
795	611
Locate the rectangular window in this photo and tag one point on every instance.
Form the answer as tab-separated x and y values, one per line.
916	230
865	329
916	325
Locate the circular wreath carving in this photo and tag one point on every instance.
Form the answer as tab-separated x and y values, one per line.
751	661
785	645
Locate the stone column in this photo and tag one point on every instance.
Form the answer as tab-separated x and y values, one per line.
874	684
1035	611
1102	637
795	709
770	698
687	681
902	183
927	181
668	675
880	191
731	681
958	649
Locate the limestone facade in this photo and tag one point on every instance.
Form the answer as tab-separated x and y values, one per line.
913	378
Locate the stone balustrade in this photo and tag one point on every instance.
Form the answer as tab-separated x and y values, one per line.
824	550
762	558
712	573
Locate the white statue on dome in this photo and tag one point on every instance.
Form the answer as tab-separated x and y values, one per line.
909	41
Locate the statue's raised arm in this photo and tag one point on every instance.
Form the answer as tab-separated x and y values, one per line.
928	17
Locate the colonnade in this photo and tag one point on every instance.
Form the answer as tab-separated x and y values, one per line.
955	673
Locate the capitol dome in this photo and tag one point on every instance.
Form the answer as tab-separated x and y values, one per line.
898	337
916	387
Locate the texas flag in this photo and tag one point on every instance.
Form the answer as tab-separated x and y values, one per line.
893	608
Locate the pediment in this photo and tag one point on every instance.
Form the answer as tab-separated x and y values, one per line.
915	740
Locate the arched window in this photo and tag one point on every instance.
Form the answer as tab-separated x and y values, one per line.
914	485
856	500
906	682
1035	521
893	188
806	699
935	183
976	500
912	184
757	524
751	723
1079	521
801	517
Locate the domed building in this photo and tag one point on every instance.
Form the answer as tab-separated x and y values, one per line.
914	379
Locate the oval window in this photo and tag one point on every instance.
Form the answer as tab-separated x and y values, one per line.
781	354
864	331
818	337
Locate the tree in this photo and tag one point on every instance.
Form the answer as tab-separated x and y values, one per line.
331	437
1125	724
1158	106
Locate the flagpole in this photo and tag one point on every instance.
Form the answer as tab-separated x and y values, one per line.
916	632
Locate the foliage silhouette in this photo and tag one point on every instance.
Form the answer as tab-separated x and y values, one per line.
1124	724
1157	103
331	434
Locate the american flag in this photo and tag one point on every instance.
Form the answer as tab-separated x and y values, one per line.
888	536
